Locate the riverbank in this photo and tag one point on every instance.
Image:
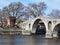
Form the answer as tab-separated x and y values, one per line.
10	31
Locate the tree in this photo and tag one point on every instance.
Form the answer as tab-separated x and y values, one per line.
0	15
26	13
5	12
36	9
55	14
15	9
2	19
33	10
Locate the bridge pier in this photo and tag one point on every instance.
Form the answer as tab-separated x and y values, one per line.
49	34
55	34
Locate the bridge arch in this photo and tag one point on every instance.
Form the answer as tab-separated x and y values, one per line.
38	22
49	25
56	30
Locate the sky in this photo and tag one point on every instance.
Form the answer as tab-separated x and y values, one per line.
51	4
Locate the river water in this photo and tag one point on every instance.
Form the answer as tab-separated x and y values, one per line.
27	40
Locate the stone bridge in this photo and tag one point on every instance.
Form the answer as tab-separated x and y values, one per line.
50	27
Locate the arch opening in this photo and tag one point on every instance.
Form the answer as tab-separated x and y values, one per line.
39	27
49	25
56	30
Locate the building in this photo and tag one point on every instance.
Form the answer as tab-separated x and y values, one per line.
11	21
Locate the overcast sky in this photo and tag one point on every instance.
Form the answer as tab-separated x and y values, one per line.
51	4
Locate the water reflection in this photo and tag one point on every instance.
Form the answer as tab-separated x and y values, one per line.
27	40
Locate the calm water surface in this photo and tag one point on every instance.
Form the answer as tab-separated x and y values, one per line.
27	40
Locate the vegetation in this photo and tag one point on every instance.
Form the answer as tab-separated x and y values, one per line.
55	14
23	13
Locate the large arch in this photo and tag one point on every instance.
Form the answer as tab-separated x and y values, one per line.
38	23
56	30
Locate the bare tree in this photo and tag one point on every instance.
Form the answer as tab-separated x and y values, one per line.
33	10
55	14
15	9
2	19
0	14
37	9
26	13
5	12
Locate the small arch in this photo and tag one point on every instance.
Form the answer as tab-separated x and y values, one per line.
29	25
49	25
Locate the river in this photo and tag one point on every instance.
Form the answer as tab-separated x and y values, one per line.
27	40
